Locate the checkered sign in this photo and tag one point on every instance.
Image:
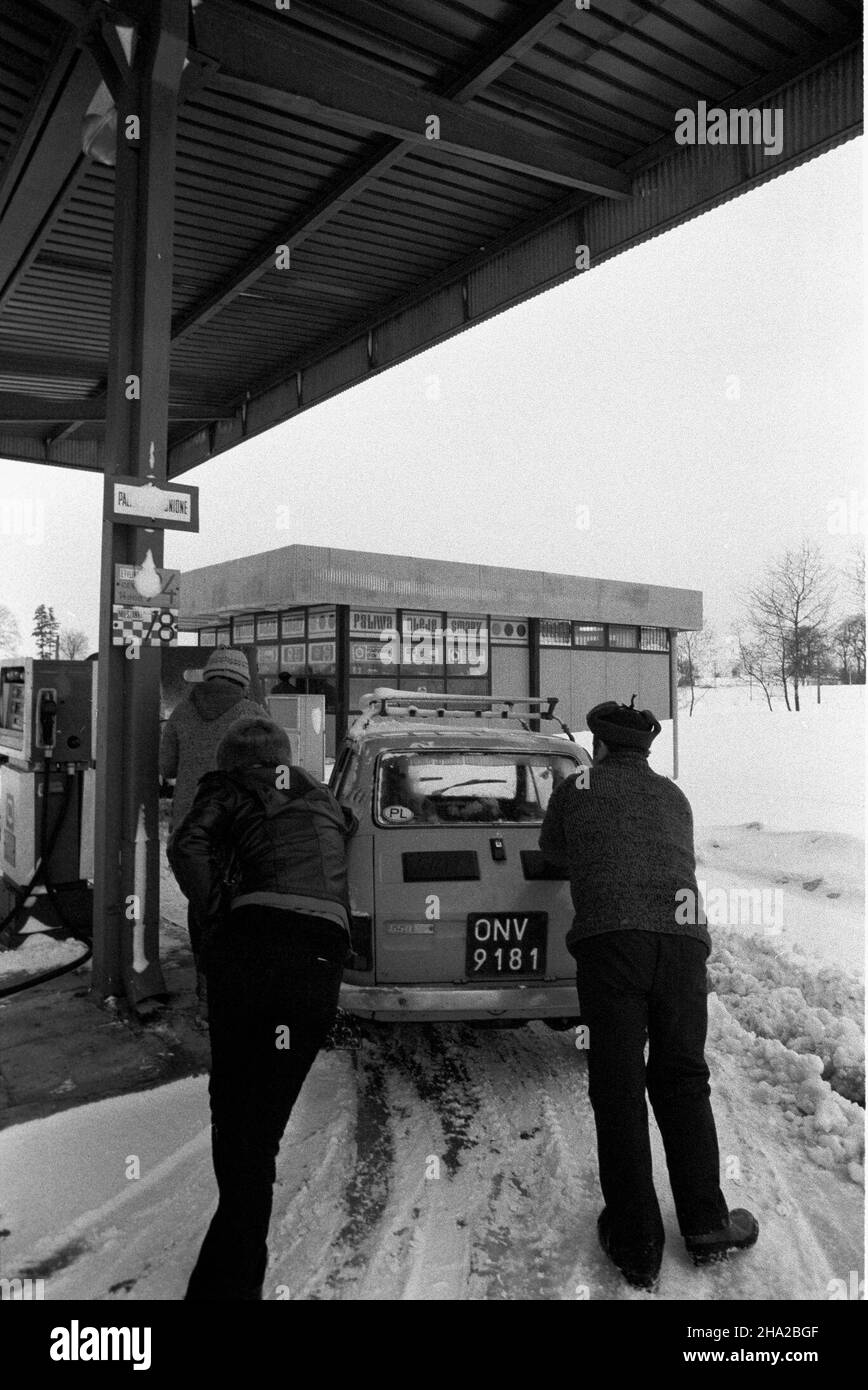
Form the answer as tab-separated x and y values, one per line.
150	627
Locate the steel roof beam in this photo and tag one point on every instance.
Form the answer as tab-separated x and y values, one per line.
340	192
18	409
518	41
53	163
293	74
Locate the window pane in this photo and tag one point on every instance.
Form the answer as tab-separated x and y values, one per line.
293	658
554	632
589	635
422	644
467	788
623	636
466	645
321	658
266	661
655	639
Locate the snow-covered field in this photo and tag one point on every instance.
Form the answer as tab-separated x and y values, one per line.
454	1163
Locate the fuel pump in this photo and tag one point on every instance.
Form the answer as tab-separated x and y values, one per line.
45	750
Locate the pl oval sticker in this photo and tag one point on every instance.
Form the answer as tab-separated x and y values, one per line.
397	813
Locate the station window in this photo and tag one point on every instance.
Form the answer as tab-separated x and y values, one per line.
266	661
654	639
466	646
589	634
554	632
360	686
224	636
321	622
266	628
421	644
207	639
292	626
429	685
293	658
623	637
242	630
467	685
322	658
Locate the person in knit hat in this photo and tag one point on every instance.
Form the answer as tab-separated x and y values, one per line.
188	749
626	839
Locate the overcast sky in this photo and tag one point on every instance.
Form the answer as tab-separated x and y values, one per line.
676	416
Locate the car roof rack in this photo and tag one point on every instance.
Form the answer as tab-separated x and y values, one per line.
382	702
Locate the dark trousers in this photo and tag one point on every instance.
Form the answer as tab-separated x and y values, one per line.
267	971
636	986
196	929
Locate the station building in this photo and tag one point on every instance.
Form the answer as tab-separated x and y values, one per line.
342	622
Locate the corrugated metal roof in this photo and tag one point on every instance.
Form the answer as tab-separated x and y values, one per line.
396	242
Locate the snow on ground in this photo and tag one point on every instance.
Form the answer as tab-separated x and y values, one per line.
503	1115
358	1211
37	953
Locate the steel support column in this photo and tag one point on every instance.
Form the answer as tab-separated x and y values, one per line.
126	850
342	672
673	696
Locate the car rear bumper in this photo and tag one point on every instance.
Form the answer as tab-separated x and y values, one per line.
451	1003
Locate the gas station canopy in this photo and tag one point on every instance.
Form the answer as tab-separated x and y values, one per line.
356	181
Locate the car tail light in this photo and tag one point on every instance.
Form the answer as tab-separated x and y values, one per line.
362	939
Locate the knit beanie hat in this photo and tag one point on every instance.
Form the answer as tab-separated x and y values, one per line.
229	664
253	742
622	726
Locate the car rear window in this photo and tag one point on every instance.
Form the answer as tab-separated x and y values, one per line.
467	787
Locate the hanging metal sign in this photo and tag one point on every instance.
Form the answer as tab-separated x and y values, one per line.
138	503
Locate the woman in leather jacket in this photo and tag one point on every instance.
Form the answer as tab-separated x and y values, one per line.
261	856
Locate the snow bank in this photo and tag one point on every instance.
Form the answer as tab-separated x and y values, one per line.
799	1037
741	762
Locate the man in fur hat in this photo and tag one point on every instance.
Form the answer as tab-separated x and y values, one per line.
627	840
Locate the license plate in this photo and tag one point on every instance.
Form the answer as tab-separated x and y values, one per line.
505	945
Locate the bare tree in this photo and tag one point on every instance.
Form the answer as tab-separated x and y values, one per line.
855	571
758	662
848	642
848	637
10	634
787	611
73	643
697	655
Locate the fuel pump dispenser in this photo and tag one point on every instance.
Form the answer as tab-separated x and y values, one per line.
45	749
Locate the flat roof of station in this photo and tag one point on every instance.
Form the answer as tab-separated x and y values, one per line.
308	128
309	574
